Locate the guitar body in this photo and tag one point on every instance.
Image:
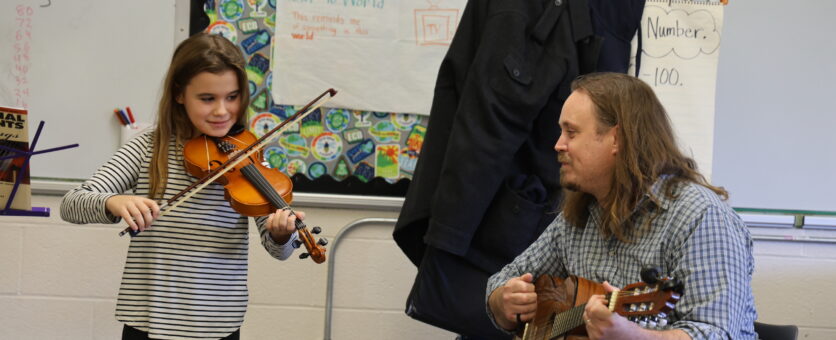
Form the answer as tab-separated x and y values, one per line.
561	302
556	295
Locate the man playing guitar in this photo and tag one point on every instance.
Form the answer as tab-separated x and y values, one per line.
633	201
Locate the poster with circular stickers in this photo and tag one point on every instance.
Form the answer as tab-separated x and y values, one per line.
339	142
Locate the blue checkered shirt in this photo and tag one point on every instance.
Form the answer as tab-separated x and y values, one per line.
696	237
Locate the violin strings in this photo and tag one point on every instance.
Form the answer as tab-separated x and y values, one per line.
236	139
208	162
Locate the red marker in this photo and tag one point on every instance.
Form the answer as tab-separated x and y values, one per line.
130	115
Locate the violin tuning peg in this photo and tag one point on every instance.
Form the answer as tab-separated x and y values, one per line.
316	230
322	241
296	244
304	255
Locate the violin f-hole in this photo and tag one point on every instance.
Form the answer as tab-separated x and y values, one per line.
217	163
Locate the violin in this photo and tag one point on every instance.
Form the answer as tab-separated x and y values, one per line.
252	189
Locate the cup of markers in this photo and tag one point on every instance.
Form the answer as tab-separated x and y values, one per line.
130	127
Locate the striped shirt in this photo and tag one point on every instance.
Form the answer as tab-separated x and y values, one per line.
186	276
696	237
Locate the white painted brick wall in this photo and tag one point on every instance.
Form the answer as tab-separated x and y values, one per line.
59	281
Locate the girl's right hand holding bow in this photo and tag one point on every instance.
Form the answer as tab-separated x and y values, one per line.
138	212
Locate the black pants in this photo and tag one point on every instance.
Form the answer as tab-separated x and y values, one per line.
130	333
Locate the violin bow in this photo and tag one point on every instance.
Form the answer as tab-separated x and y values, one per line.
213	175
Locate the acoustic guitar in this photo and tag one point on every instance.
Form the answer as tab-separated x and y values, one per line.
560	305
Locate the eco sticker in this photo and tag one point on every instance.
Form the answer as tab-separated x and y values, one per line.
353	135
342	170
256	41
252	87
364	172
405	121
210	12
260	102
263	123
408	160
257	8
385	132
231	10
257	67
312	124
317	169
291	128
295	145
248	25
360	151
336	120
327	146
415	139
270	22
283	111
276	158
223	29
386	161
296	166
362	118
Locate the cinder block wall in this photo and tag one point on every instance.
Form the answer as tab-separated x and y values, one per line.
59	281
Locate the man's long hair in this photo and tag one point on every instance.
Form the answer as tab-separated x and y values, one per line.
647	149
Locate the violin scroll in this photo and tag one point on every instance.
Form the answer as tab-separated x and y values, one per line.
315	249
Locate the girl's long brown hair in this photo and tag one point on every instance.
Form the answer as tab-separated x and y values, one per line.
647	149
201	52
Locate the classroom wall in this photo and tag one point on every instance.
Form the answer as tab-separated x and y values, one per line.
60	281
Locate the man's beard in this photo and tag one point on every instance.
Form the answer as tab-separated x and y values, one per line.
571	186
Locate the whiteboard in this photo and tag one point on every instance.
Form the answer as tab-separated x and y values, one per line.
775	122
85	58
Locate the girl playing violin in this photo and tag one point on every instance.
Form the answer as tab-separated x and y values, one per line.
187	275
